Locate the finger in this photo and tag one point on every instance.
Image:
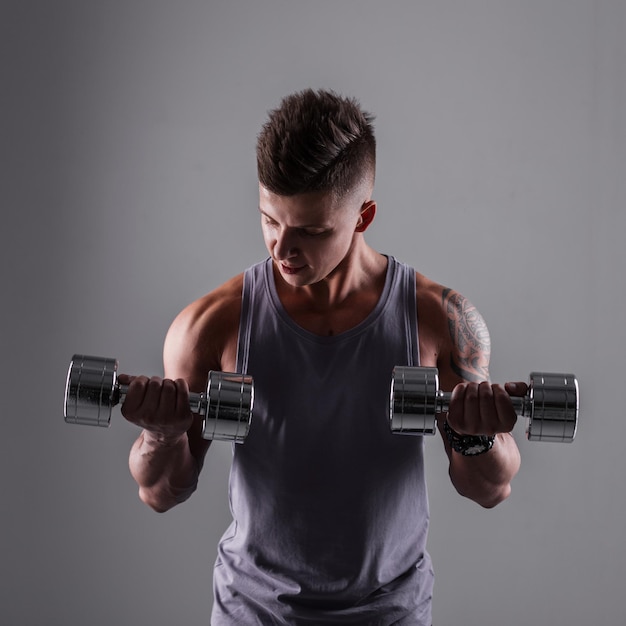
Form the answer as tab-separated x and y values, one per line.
456	406
135	395
168	397
506	412
152	399
488	418
182	397
125	379
471	411
516	389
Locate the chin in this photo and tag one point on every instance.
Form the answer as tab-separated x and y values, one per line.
295	280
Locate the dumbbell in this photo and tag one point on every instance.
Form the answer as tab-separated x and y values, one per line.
92	390
551	404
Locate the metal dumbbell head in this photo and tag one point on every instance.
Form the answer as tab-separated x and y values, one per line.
227	410
413	402
551	404
553	411
92	390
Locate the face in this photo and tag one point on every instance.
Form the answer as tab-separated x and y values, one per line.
309	235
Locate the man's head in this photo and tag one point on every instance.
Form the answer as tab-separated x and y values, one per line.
316	141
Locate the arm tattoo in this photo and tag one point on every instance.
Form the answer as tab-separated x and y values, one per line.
471	346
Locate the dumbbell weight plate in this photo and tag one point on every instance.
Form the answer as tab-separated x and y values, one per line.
553	407
413	401
228	412
90	391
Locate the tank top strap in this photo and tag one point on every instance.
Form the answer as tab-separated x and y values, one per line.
406	282
250	279
399	290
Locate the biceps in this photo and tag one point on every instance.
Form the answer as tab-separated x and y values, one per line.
470	342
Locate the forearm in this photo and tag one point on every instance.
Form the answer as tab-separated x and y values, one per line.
486	479
164	469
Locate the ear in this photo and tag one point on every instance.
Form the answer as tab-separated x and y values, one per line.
368	212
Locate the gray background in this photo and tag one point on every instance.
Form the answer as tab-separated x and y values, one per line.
128	190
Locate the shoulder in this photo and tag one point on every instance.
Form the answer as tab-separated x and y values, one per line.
457	328
203	336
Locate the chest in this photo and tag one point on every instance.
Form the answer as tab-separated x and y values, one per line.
326	320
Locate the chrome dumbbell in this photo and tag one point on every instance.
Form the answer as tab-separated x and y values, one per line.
92	390
550	406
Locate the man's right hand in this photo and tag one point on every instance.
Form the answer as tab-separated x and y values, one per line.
159	406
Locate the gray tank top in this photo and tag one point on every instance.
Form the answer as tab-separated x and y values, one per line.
330	511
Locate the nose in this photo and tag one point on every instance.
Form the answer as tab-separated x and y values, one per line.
284	245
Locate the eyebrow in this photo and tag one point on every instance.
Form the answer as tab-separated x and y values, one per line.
322	226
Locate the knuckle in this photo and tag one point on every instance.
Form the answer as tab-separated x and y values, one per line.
168	387
471	391
155	383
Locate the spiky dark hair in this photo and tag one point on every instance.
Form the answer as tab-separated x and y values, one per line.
316	141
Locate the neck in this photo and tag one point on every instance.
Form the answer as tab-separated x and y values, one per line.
357	273
361	275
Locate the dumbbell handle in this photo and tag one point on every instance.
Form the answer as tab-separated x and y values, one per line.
197	401
522	404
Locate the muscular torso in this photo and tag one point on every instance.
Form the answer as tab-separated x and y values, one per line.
216	321
207	332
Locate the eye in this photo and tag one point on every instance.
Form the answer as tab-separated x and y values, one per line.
314	232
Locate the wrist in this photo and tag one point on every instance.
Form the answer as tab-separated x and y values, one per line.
158	438
468	445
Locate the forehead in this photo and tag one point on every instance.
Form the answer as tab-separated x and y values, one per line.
306	208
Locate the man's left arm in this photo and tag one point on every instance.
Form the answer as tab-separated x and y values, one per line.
477	407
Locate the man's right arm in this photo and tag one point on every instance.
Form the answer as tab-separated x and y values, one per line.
168	455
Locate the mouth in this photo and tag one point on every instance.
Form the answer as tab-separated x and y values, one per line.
291	269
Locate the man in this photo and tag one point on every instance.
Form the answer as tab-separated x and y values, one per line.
330	509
